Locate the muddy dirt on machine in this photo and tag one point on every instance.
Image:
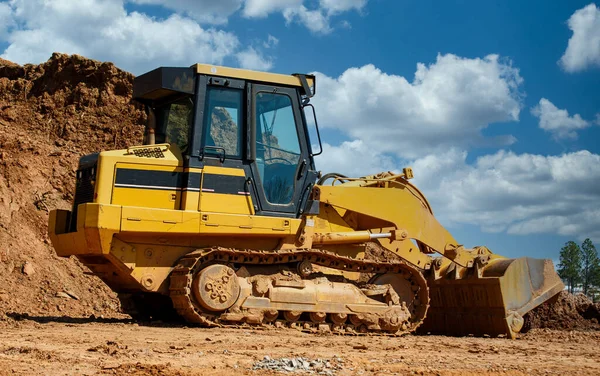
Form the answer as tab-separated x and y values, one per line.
220	286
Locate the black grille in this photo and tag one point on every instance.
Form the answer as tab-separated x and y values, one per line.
84	190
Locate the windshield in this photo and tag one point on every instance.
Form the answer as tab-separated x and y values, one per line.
277	146
174	122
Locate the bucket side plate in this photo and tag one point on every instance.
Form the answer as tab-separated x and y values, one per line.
494	302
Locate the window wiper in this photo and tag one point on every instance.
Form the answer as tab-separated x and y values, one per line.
273	122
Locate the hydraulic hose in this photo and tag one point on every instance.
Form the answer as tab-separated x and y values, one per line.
331	175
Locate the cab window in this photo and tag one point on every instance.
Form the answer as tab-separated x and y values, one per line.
174	122
222	122
277	146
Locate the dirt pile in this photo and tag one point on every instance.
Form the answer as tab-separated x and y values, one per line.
50	115
565	311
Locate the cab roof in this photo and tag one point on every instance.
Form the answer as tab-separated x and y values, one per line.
165	82
245	74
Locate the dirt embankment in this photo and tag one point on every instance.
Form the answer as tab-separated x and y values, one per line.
50	115
565	312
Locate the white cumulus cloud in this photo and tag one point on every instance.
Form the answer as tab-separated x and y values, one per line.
339	6
250	58
314	18
447	104
557	121
353	159
262	8
204	11
583	49
516	193
271	42
431	123
135	41
104	30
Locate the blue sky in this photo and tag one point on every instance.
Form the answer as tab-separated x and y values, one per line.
499	120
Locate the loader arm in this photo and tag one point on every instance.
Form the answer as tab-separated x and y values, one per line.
472	291
405	207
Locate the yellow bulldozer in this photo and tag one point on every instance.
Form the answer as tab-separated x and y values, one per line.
222	216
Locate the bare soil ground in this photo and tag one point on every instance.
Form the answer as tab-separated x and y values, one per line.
56	318
93	347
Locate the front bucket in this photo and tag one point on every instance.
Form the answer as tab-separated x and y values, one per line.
495	302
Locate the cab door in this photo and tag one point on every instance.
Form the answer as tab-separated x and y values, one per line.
223	184
279	149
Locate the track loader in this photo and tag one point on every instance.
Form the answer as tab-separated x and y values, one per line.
222	215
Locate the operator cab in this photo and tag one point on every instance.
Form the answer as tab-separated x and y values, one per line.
239	132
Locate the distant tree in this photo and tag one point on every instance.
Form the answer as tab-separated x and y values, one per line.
590	266
569	268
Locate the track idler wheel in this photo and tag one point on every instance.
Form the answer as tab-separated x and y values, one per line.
356	320
292	316
317	317
339	318
271	315
216	287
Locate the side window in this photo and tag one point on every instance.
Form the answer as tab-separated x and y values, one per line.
277	146
174	123
223	124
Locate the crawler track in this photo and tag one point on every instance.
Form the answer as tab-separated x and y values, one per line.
184	302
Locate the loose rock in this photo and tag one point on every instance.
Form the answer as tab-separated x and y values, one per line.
28	268
63	295
300	365
71	294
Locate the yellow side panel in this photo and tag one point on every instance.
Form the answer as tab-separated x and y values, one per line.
224	190
247	224
96	225
189	200
224	171
191	193
226	203
156	220
147	185
108	161
98	216
185	222
151	198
